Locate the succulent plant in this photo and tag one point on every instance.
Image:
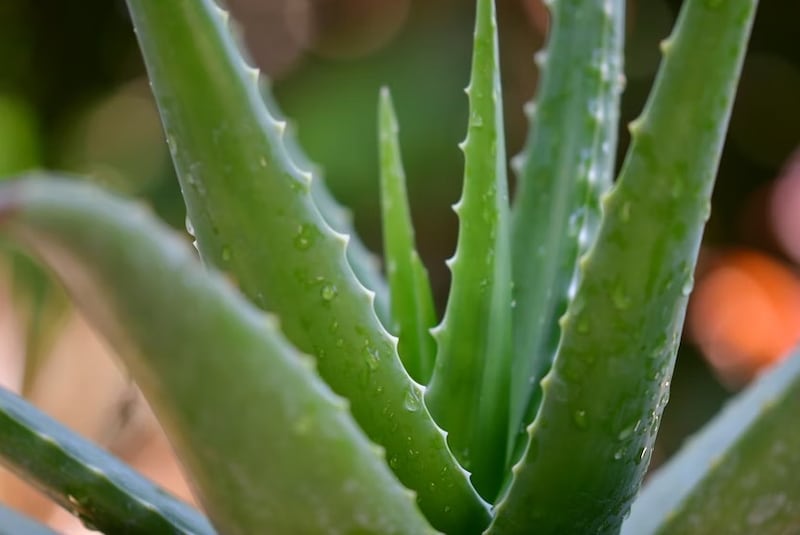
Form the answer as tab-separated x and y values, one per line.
306	393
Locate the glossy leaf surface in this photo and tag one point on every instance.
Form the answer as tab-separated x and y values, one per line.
610	382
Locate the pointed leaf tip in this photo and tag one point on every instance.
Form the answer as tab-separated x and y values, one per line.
413	312
469	391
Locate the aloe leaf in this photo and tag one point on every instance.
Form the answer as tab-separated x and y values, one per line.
739	474
468	394
610	382
254	217
292	460
413	312
93	485
567	163
366	266
14	523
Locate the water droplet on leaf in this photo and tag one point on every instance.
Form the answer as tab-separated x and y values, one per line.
411	401
328	292
581	419
305	237
688	285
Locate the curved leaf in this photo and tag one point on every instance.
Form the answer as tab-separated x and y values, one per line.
269	447
738	475
610	382
566	165
254	217
413	311
366	266
101	490
468	393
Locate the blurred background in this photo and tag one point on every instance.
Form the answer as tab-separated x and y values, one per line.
73	97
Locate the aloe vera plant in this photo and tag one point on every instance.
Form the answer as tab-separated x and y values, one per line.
304	393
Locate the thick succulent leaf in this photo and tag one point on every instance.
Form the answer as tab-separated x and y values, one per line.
413	313
468	394
14	523
567	163
93	485
610	382
254	217
269	447
366	266
739	474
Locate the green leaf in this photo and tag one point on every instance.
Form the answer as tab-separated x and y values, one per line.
254	217
739	474
468	393
96	487
567	163
14	523
292	460
610	381
413	311
366	266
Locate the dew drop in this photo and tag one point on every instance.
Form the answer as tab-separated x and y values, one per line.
411	401
688	285
372	357
328	292
618	454
627	432
706	210
226	253
304	239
